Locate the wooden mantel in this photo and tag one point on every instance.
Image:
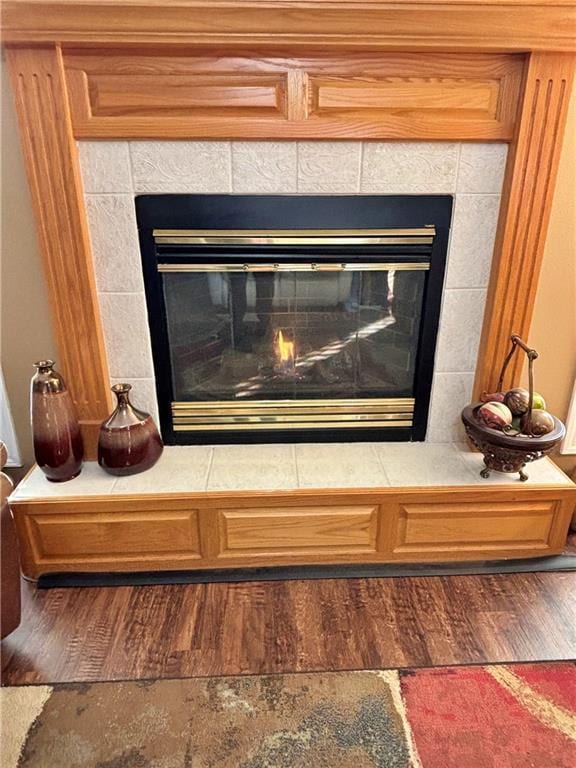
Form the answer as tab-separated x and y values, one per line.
471	25
480	70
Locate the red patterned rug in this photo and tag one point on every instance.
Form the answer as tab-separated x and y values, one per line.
502	716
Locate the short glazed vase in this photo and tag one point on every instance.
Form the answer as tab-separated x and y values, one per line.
58	446
129	441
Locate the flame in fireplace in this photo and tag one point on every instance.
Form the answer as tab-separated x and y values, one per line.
285	349
255	383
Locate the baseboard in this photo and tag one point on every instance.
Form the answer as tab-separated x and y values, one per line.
291	573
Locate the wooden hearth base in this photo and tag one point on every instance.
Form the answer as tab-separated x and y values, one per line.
96	524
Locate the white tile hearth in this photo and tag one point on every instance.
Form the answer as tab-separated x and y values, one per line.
345	465
185	469
253	467
200	469
481	168
264	167
461	325
409	168
417	464
542	472
180	166
92	481
329	167
126	335
105	166
114	237
114	171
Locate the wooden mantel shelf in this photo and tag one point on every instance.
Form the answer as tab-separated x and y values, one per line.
451	25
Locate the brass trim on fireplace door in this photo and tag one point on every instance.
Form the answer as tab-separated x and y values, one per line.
420	236
299	267
293	414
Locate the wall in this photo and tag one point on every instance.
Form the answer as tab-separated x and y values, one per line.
26	332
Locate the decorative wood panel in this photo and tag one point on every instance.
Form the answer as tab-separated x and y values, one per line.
527	200
298	530
477	25
54	180
102	535
263	529
398	96
474	525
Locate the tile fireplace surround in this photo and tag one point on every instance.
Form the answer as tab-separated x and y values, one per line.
113	172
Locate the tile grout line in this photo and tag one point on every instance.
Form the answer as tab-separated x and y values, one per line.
231	167
360	166
457	179
295	459
131	169
380	461
109	194
298	192
209	467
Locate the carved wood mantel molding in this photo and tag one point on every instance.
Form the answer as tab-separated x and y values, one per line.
448	25
343	69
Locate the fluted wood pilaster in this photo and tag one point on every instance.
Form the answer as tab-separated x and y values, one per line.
55	185
527	200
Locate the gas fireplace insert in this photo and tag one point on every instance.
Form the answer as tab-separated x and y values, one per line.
301	318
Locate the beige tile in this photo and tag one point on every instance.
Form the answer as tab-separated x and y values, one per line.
542	472
142	395
253	467
410	464
114	237
181	166
339	465
180	469
92	481
105	166
459	330
409	167
450	393
329	167
481	168
472	241
264	167
126	335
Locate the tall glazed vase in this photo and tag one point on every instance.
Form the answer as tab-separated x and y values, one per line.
58	446
129	441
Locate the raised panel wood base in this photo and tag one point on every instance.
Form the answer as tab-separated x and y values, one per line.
166	532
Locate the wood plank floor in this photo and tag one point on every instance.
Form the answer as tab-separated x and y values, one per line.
265	627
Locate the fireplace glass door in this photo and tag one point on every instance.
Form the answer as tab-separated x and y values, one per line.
311	344
293	334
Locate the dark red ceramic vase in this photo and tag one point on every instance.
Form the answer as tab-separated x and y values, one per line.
58	446
129	441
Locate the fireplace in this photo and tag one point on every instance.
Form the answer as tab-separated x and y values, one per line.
302	318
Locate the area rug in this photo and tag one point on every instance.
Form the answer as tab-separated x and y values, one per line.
513	716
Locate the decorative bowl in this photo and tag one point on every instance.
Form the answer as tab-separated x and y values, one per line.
508	453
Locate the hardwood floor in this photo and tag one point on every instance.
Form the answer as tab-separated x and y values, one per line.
213	629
